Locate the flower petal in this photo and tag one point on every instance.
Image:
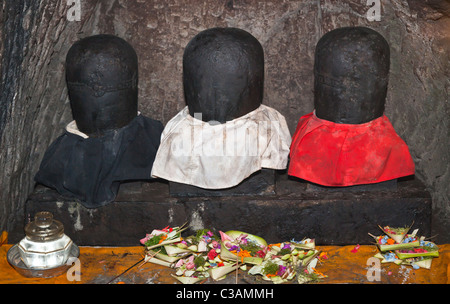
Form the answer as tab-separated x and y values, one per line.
224	237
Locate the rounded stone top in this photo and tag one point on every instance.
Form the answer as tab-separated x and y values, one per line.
102	78
223	74
351	72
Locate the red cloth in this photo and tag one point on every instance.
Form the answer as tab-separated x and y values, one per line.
332	154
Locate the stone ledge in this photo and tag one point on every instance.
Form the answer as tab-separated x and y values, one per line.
331	217
261	182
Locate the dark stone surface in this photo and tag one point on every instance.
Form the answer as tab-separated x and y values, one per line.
259	183
351	71
223	74
332	218
390	185
102	82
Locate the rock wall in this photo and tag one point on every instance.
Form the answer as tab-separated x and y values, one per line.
36	36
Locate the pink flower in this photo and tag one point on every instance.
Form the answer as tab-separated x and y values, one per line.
147	237
190	265
212	254
215	244
179	263
354	250
167	229
190	262
224	237
242	239
419	250
281	270
261	253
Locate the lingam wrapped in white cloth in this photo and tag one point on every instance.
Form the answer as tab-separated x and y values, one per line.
211	155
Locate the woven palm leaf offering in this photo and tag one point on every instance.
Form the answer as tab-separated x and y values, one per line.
205	255
161	246
387	243
411	250
205	260
289	260
426	249
419	257
215	257
193	257
396	233
243	247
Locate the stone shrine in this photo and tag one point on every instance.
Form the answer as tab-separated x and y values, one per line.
108	142
288	211
348	140
225	141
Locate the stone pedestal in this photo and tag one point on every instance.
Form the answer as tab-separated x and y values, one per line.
383	186
291	211
259	183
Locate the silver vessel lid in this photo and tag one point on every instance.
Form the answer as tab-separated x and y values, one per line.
44	228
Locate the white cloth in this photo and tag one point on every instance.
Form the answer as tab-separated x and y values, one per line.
72	127
218	156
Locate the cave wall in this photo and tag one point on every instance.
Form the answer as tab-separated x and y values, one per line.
36	35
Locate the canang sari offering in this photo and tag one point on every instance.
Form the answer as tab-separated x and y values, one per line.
333	154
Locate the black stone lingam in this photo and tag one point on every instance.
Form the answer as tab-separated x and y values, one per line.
108	143
223	74
223	79
102	78
351	72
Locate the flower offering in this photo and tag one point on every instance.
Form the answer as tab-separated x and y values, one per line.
398	247
206	255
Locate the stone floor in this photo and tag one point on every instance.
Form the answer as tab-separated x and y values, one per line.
102	265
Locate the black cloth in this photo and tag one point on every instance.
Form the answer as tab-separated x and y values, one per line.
91	169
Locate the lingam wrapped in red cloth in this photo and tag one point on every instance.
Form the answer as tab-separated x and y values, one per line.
334	154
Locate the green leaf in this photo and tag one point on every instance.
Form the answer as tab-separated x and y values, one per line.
234	234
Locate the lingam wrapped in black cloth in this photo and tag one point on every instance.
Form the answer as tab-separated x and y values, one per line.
109	141
225	133
348	140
